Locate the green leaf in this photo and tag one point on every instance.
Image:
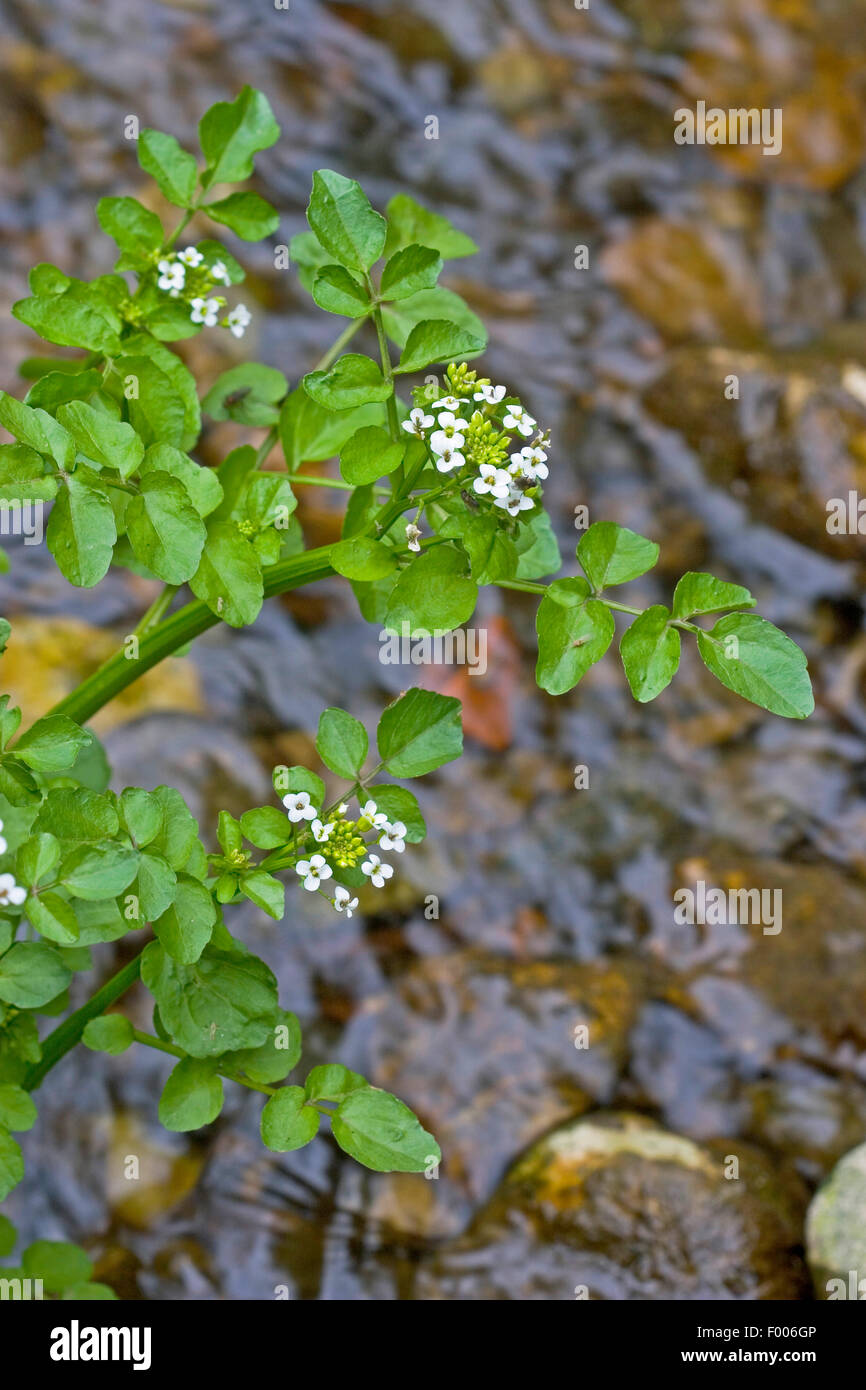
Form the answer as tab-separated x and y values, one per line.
57	1264
266	827
232	133
37	429
650	652
51	744
53	917
111	1033
154	885
368	455
299	779
185	929
611	554
17	1111
344	222
31	974
342	743
229	577
8	1236
11	1163
23	477
363	558
141	815
398	804
418	732
172	166
754	659
225	1001
333	1082
266	892
491	551
408	271
338	292
76	814
287	1121
167	400
274	1059
137	231
404	315
157	403
249	216
436	340
36	858
352	381
177	837
537	548
93	872
310	432
165	530
433	592
110	443
192	1096
81	531
202	484
702	593
409	222
70	322
98	922
56	388
574	631
248	393
378	1130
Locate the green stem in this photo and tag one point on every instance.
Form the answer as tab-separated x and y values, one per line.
157	609
388	374
69	1032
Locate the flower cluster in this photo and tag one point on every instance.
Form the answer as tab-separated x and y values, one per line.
343	845
185	275
470	431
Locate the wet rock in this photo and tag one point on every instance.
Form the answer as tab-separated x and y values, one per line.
836	1230
491	1053
614	1207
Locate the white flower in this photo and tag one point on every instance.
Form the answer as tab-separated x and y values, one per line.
172	277
377	819
376	871
343	902
450	425
491	394
342	808
418	422
11	895
447	403
3	844
321	832
519	419
190	256
412	534
205	311
530	463
394	837
515	502
239	320
448	459
298	806
219	272
496	481
313	871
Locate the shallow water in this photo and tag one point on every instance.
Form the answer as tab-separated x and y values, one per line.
555	129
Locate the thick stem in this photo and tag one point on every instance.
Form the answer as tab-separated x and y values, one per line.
69	1032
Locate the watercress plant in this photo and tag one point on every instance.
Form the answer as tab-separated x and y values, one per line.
444	494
